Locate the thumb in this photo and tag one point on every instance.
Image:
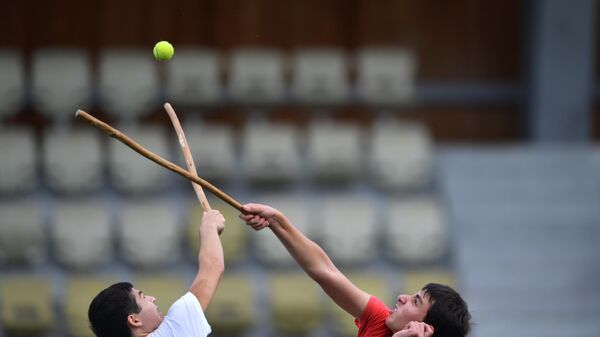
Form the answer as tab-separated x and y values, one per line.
402	333
252	208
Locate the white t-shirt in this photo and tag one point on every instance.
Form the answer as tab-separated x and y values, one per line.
184	319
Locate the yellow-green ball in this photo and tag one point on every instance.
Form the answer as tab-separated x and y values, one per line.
163	51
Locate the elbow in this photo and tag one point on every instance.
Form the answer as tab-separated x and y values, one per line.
319	274
220	268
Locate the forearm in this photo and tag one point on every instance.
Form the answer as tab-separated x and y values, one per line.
210	264
309	256
210	256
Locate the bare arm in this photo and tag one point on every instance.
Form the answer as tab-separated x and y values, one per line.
313	260
210	258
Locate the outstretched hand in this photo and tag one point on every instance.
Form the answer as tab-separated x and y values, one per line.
260	216
213	218
415	329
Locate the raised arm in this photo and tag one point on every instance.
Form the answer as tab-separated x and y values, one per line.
313	260
210	258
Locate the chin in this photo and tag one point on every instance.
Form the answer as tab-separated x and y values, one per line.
391	324
388	323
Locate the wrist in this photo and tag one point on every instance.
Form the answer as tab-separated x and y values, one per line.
208	226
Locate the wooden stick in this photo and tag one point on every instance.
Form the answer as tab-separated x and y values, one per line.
112	132
187	154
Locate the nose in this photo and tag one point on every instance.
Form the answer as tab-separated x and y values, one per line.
152	299
403	299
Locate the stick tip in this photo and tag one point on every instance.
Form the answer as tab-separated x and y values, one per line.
167	104
79	111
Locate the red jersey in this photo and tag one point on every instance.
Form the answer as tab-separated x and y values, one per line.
372	320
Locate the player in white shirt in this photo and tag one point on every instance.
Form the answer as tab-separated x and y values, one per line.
124	311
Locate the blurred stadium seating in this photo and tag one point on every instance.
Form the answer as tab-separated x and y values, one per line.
400	151
19	164
68	176
12	81
193	78
27	305
128	84
73	68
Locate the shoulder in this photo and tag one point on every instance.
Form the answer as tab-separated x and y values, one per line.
184	318
375	310
372	320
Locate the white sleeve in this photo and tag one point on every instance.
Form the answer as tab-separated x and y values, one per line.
184	319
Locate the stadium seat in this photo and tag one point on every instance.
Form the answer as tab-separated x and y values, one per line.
401	156
256	76
386	76
133	173
128	83
81	233
371	283
72	160
267	248
61	82
79	293
166	288
295	305
416	230
319	76
234	238
12	82
348	229
18	165
193	77
334	151
26	303
231	311
212	146
415	279
270	153
149	223
22	237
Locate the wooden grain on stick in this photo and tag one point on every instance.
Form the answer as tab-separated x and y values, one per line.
187	154
112	132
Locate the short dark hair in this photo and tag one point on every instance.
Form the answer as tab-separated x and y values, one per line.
448	313
109	310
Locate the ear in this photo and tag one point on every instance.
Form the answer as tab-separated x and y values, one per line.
134	321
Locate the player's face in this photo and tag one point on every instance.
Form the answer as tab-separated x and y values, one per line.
406	309
149	314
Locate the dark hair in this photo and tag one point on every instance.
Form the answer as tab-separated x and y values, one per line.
109	310
448	313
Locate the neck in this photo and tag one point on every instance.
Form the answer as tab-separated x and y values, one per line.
139	333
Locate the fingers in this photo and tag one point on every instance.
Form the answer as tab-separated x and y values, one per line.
428	330
255	221
252	208
213	215
415	329
258	216
258	222
213	218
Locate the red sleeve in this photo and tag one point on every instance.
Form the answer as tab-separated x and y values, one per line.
372	320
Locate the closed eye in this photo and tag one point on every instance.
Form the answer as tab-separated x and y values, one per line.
418	300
